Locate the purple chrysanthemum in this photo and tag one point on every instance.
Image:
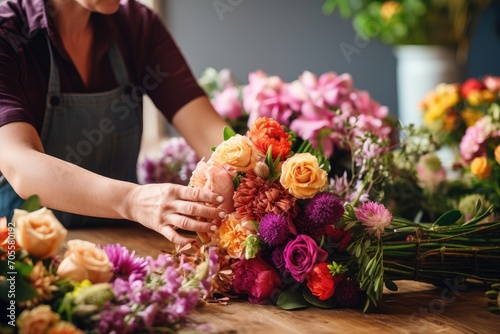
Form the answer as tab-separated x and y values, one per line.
125	263
277	258
324	209
274	229
375	217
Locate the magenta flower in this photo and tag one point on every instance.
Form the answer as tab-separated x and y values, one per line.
274	229
375	217
301	255
125	263
324	209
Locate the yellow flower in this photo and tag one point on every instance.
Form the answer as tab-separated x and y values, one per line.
478	97
480	168
301	175
39	232
389	9
238	152
471	116
437	103
231	236
497	154
84	260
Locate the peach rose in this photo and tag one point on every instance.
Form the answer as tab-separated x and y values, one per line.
37	320
480	168
39	232
301	175
238	152
63	327
84	260
497	153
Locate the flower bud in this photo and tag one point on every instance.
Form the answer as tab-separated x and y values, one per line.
481	168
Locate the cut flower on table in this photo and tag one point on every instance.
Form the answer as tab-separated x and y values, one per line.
91	289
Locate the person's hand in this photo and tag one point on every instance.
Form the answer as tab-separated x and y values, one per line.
167	207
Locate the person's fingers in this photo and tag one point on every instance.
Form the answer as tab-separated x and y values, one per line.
198	194
189	224
194	209
169	233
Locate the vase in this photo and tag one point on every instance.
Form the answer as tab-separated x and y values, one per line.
420	68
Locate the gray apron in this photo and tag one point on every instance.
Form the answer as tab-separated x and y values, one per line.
100	132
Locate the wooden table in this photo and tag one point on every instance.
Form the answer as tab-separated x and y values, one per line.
415	308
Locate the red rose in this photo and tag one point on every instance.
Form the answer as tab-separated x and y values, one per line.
471	85
320	281
257	279
338	235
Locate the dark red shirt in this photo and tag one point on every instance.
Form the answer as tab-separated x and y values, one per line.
155	64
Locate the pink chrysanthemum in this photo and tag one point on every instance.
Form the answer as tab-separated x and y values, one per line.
125	263
375	217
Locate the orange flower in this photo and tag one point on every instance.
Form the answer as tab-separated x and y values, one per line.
320	281
497	153
265	132
480	168
231	235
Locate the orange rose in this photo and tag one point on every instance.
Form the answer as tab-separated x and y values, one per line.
231	235
237	152
320	281
301	175
39	232
265	132
84	260
63	327
480	168
497	153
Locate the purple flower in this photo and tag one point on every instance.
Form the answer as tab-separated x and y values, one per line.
278	259
274	229
125	263
375	217
324	209
301	255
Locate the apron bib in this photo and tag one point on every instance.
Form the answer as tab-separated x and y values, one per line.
100	132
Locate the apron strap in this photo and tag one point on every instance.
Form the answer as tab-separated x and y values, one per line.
54	86
118	65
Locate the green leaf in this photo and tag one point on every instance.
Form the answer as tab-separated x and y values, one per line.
291	300
23	269
491	294
31	204
228	133
390	285
448	218
24	290
313	300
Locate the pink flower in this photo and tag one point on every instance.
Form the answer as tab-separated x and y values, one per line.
472	143
375	217
492	83
257	279
263	96
430	172
301	255
227	103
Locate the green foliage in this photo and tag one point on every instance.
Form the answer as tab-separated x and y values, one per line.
31	204
291	300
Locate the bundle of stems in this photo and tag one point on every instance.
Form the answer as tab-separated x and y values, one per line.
447	249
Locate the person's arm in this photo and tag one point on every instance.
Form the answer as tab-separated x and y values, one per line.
200	125
67	187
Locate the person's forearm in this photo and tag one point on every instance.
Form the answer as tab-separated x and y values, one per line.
67	187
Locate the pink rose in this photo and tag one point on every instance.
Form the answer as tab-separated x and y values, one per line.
217	179
257	279
301	255
227	103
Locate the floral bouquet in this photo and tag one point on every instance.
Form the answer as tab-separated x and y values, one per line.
90	289
295	239
462	121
